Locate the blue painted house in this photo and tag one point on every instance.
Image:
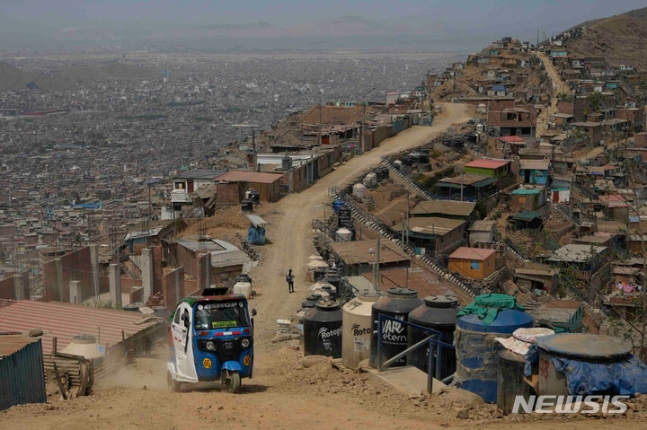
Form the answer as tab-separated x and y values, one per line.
534	172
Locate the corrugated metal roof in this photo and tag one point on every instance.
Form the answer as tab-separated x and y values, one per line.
201	174
576	253
66	320
534	164
487	163
21	380
444	207
12	343
434	225
259	177
465	253
468	179
482	225
358	252
256	220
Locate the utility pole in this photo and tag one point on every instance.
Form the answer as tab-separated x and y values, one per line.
462	173
363	121
364	117
320	125
376	280
253	127
408	214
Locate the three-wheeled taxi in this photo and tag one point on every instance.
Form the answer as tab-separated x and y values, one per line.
210	339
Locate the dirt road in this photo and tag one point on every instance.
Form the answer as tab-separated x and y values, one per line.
283	394
289	223
559	86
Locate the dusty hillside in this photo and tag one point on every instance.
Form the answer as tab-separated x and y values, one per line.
620	39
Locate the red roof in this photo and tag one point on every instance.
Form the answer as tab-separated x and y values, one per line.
65	320
465	253
512	139
487	163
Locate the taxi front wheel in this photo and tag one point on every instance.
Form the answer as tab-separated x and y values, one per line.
232	382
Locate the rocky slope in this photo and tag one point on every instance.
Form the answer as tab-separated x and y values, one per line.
620	39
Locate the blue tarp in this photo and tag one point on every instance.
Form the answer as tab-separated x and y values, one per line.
256	235
625	377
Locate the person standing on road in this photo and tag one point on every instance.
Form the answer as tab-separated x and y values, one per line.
290	280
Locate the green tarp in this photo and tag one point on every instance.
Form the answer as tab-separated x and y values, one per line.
487	306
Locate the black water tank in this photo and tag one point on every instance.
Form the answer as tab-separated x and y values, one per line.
319	273
247	205
332	292
322	330
344	217
286	163
311	301
437	313
397	303
255	197
333	279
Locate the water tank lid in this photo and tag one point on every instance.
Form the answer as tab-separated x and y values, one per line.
441	301
584	346
507	321
328	306
402	293
369	295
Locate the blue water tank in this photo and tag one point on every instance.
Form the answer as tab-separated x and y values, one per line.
476	350
506	322
337	204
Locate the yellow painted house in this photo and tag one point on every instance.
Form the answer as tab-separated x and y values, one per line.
473	263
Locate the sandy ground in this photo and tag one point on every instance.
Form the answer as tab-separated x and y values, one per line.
283	394
558	87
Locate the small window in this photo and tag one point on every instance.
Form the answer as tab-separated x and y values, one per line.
176	320
475	265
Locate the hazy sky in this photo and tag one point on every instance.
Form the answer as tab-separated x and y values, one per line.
469	19
495	12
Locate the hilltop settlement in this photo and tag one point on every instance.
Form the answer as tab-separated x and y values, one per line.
540	196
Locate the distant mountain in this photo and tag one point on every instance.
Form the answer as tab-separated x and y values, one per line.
621	39
12	78
351	32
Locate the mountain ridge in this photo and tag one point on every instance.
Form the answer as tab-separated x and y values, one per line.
618	38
